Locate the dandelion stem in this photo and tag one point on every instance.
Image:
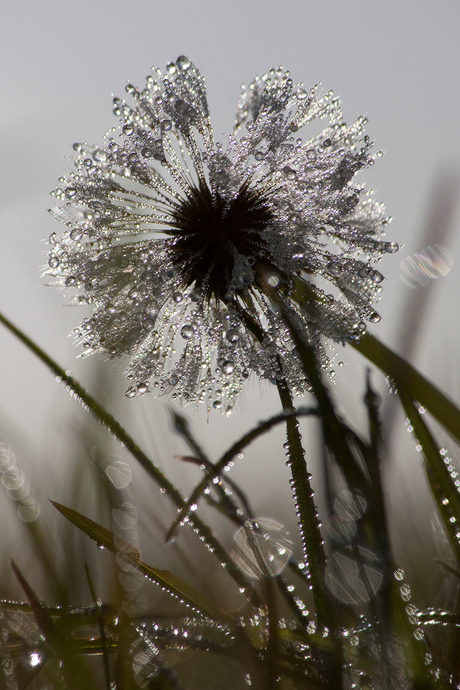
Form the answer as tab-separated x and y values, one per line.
308	518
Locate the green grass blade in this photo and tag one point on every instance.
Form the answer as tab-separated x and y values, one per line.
445	493
307	514
407	378
74	669
165	579
115	428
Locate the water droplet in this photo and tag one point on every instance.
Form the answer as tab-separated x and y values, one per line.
70	192
128	130
232	335
166	125
228	367
53	262
178	297
289	173
100	156
150	315
183	62
419	634
376	276
374	317
35	659
327	143
76	234
28	510
301	94
142	388
217	404
274	280
391	247
311	155
259	155
131	393
262	547
187	331
353	578
119	474
334	268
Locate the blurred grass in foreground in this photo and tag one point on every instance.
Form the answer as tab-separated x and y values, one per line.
342	617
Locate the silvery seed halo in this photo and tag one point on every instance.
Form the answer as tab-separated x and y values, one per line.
176	240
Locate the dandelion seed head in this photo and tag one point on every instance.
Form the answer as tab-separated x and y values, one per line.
178	242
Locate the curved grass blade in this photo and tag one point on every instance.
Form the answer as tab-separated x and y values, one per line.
74	669
397	368
115	428
408	379
445	493
165	579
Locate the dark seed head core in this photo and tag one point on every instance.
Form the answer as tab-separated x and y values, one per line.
209	233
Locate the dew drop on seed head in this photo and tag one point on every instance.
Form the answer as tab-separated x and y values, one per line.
228	367
183	62
187	331
376	276
150	315
100	156
76	234
334	268
232	335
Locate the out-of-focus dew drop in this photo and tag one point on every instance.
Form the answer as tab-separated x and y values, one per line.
431	263
262	547
119	474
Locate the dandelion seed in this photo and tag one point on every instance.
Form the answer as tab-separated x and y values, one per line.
178	242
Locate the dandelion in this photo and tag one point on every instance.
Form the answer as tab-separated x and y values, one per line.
180	243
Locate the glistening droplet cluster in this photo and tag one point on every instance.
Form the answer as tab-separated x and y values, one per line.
179	243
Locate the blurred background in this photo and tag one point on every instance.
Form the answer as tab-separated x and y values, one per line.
395	62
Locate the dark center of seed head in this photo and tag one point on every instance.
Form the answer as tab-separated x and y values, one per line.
210	233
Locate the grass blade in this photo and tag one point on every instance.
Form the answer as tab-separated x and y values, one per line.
115	428
165	579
